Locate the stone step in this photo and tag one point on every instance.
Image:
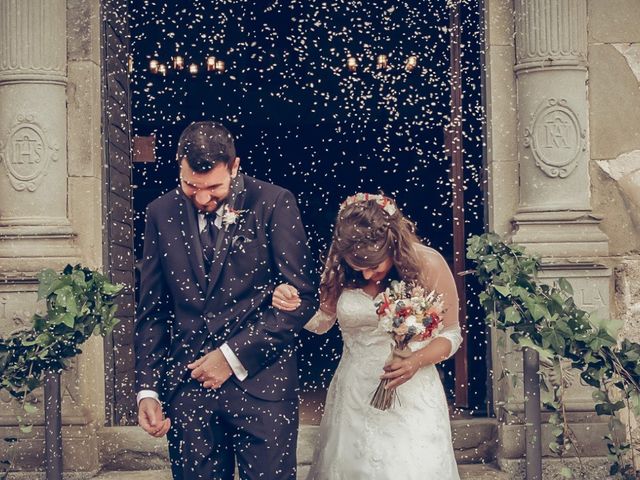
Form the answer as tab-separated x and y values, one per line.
467	472
131	449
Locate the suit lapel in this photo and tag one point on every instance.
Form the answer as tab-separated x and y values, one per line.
191	234
226	233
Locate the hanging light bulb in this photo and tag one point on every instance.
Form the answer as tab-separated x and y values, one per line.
382	62
153	66
211	64
178	62
352	64
162	69
412	62
220	66
193	69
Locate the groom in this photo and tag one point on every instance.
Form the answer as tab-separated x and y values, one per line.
215	364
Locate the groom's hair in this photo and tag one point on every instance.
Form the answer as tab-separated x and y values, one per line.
205	145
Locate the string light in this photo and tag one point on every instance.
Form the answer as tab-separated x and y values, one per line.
412	62
352	64
178	62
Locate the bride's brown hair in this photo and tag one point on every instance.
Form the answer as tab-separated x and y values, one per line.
365	235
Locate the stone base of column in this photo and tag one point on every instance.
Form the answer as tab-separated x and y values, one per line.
27	249
561	234
26	454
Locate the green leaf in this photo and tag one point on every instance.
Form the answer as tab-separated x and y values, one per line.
68	319
566	472
30	408
538	311
78	278
608	408
545	353
46	279
26	428
111	289
503	290
551	338
66	299
511	316
565	286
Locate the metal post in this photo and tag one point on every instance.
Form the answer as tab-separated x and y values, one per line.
53	425
533	418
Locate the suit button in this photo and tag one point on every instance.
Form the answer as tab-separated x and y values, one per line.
209	315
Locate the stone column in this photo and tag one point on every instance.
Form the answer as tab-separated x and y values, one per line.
34	226
554	214
554	217
36	206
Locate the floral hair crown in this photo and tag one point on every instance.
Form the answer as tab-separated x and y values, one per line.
385	203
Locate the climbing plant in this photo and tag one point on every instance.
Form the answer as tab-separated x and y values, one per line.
546	318
79	303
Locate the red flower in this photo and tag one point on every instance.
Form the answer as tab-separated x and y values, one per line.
383	305
429	329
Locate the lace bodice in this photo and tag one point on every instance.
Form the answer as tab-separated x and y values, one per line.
356	313
359	321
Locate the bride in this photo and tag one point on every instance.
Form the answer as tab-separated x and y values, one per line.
373	244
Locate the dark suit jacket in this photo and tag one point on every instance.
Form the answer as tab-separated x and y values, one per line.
182	314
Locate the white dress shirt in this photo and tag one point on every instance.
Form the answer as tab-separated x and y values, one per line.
232	359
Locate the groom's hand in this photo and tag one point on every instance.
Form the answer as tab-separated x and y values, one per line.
151	418
212	370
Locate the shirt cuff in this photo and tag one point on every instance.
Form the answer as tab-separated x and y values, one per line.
234	362
148	394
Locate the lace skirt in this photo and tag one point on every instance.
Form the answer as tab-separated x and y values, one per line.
411	441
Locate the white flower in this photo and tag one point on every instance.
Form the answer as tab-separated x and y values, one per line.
231	216
398	288
386	323
412	322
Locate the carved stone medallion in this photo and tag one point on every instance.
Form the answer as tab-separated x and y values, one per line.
556	138
27	153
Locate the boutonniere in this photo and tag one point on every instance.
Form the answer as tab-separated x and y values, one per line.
230	216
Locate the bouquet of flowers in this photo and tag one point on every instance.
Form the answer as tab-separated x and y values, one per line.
408	313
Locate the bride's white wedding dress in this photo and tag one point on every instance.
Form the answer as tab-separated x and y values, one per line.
411	441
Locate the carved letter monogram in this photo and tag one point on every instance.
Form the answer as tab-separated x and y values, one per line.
555	138
27	153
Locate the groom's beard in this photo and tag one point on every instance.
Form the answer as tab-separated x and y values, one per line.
211	206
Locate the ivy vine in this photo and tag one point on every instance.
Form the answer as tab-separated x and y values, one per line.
80	302
546	318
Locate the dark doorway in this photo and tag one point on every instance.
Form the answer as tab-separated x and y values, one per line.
304	121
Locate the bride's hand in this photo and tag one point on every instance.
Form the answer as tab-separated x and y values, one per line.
286	298
399	371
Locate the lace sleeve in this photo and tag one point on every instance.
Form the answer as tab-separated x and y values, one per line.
440	279
321	322
454	335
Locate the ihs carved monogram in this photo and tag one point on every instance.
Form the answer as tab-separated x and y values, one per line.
27	153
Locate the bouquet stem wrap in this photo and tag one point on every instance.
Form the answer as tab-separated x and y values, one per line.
383	398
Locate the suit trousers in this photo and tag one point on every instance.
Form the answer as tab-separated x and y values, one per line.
212	429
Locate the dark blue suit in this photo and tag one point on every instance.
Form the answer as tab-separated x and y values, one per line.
185	312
